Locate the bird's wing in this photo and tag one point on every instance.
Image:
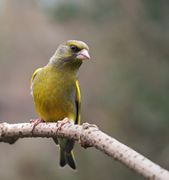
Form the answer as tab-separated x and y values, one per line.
78	103
34	75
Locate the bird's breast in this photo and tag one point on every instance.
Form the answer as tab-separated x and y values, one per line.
54	95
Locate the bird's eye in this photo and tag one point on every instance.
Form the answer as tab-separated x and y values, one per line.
74	48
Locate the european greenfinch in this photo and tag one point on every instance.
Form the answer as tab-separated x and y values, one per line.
56	91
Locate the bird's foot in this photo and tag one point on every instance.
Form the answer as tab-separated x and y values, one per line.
62	123
89	128
35	122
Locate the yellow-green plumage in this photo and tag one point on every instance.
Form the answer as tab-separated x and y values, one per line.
56	91
55	96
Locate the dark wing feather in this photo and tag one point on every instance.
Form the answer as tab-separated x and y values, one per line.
78	103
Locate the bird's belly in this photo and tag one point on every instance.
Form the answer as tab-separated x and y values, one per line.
54	103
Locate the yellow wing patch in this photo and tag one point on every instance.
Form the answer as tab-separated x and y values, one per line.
78	102
33	77
35	73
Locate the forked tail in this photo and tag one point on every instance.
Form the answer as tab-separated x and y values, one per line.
67	158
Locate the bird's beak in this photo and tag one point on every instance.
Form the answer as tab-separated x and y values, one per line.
83	55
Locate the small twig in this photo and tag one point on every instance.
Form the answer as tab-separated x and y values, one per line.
87	135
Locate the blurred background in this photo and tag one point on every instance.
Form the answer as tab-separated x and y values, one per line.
124	87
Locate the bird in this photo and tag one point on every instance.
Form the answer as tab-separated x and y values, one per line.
56	92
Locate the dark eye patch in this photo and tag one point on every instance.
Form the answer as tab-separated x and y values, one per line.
74	48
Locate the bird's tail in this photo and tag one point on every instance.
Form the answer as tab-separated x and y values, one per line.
67	158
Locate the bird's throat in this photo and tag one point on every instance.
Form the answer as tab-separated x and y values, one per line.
67	65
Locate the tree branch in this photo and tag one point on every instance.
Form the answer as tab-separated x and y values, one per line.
87	135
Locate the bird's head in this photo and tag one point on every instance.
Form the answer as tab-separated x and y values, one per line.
71	54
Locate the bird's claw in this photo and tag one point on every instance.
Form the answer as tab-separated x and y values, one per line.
35	122
87	126
62	123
